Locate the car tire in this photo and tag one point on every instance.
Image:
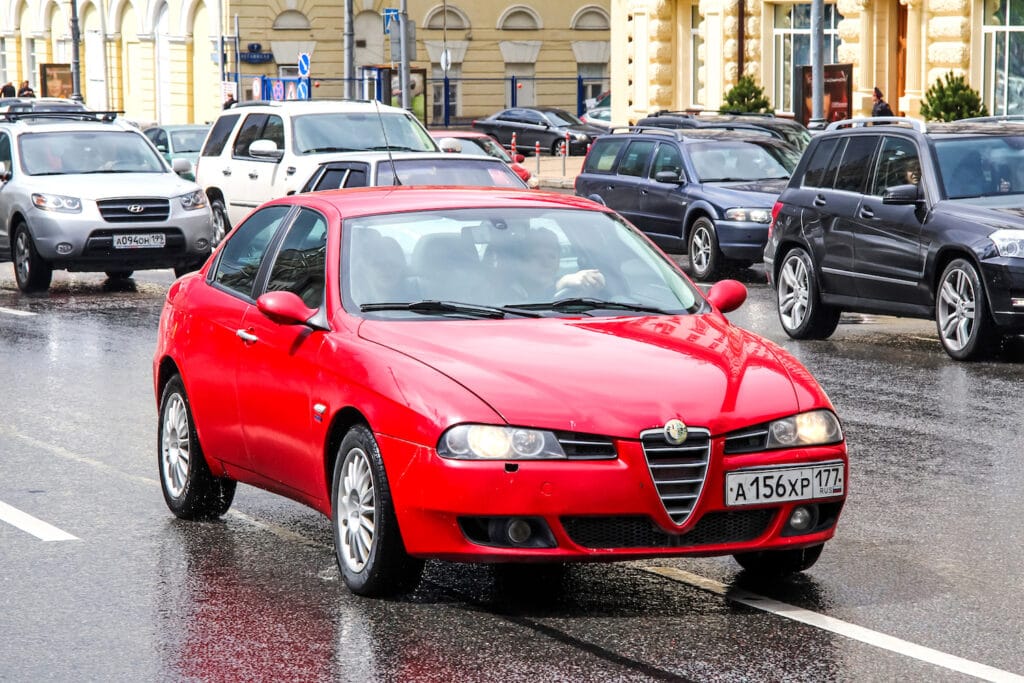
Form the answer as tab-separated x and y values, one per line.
367	541
556	148
779	563
190	489
801	312
119	274
221	224
31	272
962	315
702	249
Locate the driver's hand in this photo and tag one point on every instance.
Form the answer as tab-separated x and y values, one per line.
584	279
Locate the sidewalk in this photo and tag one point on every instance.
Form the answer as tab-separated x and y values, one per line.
555	172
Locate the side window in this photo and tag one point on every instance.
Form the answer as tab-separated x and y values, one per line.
249	133
356	177
274	130
240	260
667	158
5	153
634	160
602	156
897	164
219	135
854	168
300	265
818	163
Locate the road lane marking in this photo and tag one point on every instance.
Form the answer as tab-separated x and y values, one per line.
14	311
31	525
839	627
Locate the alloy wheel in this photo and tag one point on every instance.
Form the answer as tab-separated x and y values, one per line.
700	250
794	292
957	305
356	518
175	447
23	256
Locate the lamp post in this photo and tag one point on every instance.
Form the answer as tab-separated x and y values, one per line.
76	76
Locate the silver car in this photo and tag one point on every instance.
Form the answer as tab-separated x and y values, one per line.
94	195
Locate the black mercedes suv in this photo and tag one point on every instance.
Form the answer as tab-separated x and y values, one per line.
894	217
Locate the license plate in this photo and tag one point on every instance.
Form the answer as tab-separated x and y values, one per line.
154	240
752	487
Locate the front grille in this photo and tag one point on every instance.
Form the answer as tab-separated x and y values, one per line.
713	528
678	471
134	209
749	440
586	446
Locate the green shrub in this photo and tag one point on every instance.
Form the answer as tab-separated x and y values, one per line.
951	100
746	96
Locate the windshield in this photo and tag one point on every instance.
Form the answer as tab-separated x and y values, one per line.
484	145
538	260
561	118
737	160
359	131
981	166
75	152
185	141
451	170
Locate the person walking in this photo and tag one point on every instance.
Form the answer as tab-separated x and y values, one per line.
229	101
880	106
8	90
26	90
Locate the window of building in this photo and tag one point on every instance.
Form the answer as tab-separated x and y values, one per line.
1003	32
520	18
450	18
696	42
791	37
595	79
590	18
3	61
291	20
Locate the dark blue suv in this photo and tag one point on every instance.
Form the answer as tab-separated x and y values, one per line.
708	192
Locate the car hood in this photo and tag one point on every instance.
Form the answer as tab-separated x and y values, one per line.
588	129
613	376
752	193
1000	211
95	186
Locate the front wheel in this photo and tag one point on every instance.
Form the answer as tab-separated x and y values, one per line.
367	542
702	249
221	224
556	148
190	489
962	315
801	312
119	274
779	563
31	272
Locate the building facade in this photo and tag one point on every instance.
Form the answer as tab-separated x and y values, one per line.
165	60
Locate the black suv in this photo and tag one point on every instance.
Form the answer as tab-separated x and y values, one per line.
709	192
903	219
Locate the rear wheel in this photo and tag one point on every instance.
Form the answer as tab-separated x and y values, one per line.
221	224
119	274
556	148
31	272
702	249
801	312
779	563
962	313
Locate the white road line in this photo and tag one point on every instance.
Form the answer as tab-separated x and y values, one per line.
14	311
29	524
840	627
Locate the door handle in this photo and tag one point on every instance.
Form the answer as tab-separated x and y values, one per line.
865	212
245	336
819	201
226	171
254	175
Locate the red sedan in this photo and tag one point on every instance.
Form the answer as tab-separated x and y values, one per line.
487	375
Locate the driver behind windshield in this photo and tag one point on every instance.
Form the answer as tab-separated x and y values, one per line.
531	266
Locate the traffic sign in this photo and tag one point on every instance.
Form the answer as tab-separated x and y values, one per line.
257	88
304	64
291	91
390	15
303	90
278	90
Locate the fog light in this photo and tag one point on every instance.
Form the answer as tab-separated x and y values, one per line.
518	531
64	248
202	244
800	519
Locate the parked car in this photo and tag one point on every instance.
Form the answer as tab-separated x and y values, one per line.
473	143
377	354
772	127
547	125
260	150
93	195
791	130
179	142
707	192
412	168
599	116
39	104
909	220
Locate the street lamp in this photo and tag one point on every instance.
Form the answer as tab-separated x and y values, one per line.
76	76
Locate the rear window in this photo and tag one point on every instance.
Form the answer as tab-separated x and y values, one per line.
855	164
219	135
602	155
818	163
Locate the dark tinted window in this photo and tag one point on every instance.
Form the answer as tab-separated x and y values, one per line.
219	135
5	153
249	133
634	161
854	167
897	164
602	155
241	258
300	264
667	158
818	163
274	130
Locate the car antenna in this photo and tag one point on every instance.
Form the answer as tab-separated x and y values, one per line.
387	145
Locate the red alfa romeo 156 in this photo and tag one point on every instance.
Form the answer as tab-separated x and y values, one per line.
487	375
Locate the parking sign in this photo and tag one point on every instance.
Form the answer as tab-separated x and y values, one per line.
304	65
278	90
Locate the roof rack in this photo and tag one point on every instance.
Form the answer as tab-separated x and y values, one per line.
278	103
68	114
1005	118
671	132
878	120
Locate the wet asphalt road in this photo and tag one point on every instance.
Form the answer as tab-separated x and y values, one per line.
926	564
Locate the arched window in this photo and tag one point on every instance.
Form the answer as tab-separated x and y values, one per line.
590	19
520	18
291	20
456	18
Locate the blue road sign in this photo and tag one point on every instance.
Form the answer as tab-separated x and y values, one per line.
390	14
278	90
303	93
304	64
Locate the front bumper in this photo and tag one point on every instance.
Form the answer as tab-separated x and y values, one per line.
742	240
594	510
1004	284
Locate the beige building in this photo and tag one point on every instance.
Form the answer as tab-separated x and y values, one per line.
157	60
679	54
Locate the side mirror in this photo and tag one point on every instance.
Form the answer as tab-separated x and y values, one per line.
901	194
727	295
181	166
668	177
519	158
284	308
265	149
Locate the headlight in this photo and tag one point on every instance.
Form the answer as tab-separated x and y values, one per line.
749	215
57	202
193	200
580	137
1009	243
816	428
492	442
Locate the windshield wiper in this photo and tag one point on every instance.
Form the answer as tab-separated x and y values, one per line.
430	306
318	150
589	303
393	148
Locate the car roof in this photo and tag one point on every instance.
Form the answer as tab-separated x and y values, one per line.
964	127
47	122
701	134
384	157
317	106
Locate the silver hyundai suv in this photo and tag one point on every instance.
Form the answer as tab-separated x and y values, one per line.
88	192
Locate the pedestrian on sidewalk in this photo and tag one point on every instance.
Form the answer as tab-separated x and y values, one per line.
230	101
880	106
8	90
26	90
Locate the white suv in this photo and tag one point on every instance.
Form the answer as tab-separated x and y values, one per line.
259	151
